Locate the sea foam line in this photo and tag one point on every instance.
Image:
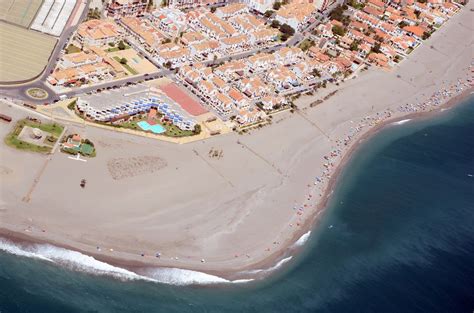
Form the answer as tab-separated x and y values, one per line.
80	262
401	122
177	276
270	269
302	240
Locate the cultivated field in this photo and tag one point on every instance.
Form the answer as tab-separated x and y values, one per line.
23	53
20	12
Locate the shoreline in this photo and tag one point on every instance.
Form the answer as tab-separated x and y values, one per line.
223	216
286	252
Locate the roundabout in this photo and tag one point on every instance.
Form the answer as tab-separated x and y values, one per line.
37	93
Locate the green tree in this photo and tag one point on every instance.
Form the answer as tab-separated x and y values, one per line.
338	13
123	61
287	29
376	47
269	13
338	30
316	73
213	9
197	129
275	24
277	5
402	24
355	45
121	45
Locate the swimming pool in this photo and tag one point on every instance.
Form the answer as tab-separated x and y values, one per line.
157	128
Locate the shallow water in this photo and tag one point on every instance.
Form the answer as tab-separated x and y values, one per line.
398	236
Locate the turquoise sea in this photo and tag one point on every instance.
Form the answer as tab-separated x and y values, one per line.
397	236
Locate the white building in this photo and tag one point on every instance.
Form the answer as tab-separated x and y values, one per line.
259	5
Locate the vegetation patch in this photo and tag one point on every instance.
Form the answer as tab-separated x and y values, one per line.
44	145
37	93
72	49
171	129
74	144
123	62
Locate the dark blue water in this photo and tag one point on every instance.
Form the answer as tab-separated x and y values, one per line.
402	240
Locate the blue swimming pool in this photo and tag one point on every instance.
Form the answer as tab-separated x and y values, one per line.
157	128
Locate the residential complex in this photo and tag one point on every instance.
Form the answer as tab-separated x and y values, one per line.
267	75
120	8
132	102
186	4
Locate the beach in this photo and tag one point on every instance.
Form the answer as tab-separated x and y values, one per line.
159	204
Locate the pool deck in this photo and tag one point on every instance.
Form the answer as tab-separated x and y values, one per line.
156	129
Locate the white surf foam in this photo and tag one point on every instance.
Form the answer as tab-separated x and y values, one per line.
402	122
176	276
270	269
302	240
10	247
80	262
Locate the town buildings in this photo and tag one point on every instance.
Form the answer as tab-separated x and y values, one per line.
120	8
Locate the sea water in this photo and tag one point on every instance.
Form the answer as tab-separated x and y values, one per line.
397	236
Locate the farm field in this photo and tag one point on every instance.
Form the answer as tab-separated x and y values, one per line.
19	12
24	53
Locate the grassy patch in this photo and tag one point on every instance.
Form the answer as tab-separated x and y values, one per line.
72	49
306	44
71	106
127	67
54	130
115	49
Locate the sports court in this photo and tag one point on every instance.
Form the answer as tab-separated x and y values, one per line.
19	12
179	96
23	53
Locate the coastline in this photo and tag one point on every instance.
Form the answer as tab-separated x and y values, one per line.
235	195
261	269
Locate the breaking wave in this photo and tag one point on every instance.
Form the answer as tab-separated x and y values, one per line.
270	269
302	240
80	262
401	122
177	276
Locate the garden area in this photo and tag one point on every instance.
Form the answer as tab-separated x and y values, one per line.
171	129
123	62
72	49
32	135
74	144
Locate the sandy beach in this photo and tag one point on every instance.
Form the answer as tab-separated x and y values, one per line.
154	203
